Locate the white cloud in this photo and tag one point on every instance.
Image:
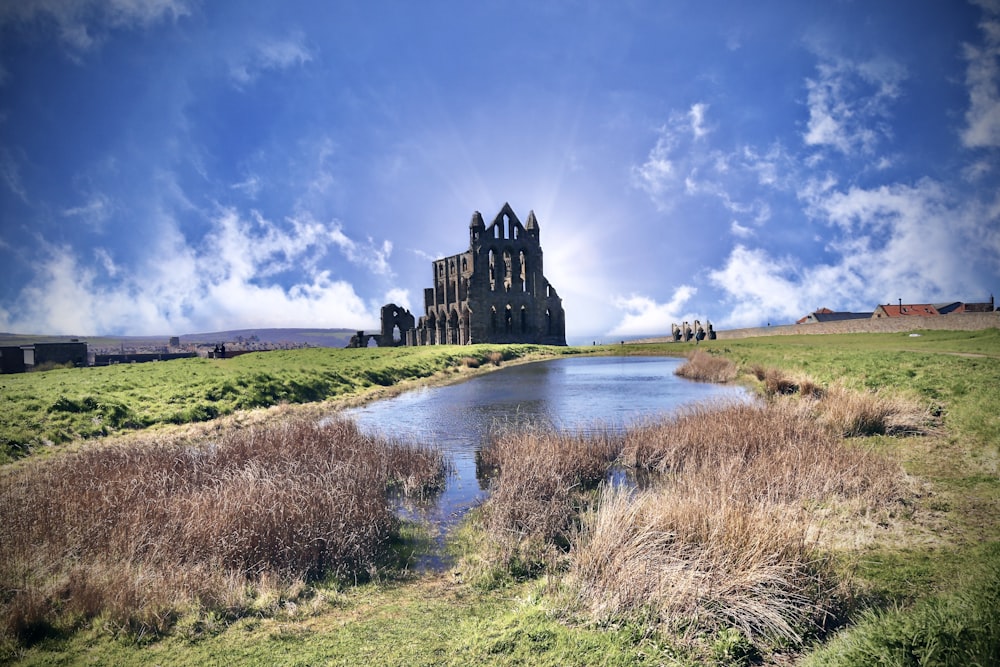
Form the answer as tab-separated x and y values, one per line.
771	168
734	40
983	81
977	170
250	186
279	54
679	166
94	212
83	24
644	316
270	55
107	262
10	174
918	243
315	173
666	173
376	258
739	231
759	287
401	298
849	103
697	117
918	240
228	281
657	172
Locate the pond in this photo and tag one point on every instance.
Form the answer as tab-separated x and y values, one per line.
572	393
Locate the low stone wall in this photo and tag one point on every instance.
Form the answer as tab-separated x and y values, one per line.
951	322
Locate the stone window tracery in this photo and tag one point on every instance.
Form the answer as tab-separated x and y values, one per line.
493	271
507	270
523	261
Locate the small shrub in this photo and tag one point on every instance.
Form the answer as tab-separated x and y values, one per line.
64	404
383	377
732	647
118	415
470	362
810	389
776	383
495	358
706	367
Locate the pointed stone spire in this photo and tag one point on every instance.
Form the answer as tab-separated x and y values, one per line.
532	222
476	228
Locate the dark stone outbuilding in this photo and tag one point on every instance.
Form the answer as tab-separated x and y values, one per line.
21	358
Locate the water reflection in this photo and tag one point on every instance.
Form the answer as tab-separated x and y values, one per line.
575	393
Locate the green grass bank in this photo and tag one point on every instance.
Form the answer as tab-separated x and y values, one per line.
920	578
38	410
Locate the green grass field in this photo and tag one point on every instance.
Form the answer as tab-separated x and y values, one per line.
924	582
54	407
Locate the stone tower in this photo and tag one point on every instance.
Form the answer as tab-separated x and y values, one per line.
494	292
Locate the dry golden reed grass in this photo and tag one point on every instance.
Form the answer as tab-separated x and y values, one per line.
537	479
692	560
706	367
851	413
721	540
139	533
778	448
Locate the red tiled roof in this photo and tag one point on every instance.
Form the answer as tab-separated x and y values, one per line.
918	309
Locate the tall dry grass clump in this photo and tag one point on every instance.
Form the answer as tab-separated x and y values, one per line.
694	560
852	413
778	450
706	367
137	533
538	475
722	541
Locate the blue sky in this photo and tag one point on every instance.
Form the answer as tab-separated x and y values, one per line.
176	166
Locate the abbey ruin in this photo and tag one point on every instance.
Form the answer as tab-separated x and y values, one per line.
494	292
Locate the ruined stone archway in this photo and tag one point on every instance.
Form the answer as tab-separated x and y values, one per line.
396	322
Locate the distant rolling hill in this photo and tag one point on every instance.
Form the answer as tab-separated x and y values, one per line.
314	337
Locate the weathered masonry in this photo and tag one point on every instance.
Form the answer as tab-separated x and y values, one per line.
494	292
